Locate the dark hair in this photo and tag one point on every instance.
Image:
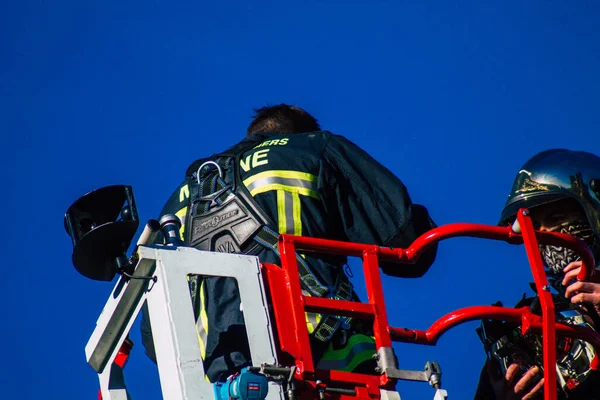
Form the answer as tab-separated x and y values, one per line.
282	118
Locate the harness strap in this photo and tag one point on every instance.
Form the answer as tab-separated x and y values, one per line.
213	190
342	290
269	238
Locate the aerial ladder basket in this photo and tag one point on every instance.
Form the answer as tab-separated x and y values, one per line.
280	349
286	295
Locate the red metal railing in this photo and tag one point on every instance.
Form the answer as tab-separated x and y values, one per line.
290	305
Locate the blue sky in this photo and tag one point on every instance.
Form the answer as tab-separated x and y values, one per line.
453	98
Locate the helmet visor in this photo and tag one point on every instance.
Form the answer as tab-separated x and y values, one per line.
528	201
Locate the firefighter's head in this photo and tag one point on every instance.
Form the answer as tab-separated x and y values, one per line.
561	188
283	119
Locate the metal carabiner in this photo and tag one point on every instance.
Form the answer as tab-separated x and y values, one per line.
204	165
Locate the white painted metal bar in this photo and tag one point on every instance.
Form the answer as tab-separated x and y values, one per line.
173	326
172	319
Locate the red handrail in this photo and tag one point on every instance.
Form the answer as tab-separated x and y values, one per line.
286	295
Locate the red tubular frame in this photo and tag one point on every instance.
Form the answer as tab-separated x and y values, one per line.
290	305
543	292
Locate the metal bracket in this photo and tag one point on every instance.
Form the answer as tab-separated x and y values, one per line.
407	375
386	361
275	372
432	373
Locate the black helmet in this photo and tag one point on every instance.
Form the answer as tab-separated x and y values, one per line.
553	175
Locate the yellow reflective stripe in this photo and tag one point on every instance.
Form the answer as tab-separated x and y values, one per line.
297	212
181	214
289	213
202	345
287	188
305	176
312	320
202	330
309	325
281	217
301	183
184	193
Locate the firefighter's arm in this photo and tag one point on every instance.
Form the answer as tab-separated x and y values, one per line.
371	205
417	223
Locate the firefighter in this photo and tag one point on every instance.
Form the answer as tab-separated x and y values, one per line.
289	176
561	188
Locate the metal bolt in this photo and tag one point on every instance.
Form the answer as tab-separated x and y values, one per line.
545	288
525	212
434	381
378	370
320	389
375	356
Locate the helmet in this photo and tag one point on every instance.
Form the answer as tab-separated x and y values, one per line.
553	175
